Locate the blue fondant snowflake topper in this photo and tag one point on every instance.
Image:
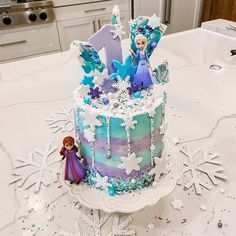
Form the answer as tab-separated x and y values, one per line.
125	69
88	80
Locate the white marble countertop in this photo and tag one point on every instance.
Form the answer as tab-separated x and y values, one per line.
201	112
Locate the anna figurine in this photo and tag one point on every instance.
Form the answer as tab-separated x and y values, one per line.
143	76
74	171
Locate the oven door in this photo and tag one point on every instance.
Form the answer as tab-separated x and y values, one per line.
59	3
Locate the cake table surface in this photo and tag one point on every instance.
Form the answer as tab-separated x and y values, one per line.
200	111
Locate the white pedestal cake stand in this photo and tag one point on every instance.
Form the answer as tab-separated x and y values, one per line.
135	201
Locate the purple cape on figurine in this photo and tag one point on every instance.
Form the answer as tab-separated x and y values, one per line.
74	171
143	76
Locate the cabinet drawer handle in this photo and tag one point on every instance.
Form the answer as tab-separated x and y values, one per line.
13	43
94	26
99	24
167	11
92	10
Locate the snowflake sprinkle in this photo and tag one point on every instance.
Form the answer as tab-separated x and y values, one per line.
94	92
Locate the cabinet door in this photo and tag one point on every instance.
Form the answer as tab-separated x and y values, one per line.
75	29
106	19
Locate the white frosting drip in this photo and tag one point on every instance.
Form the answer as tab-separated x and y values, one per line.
108	137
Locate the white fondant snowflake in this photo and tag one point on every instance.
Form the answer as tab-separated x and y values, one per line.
90	118
89	135
82	90
154	21
118	226
129	123
122	84
101	181
39	172
194	166
99	77
130	163
118	32
150	226
177	204
62	121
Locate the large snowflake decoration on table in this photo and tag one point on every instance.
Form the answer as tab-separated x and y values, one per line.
122	84
129	123
118	227
195	166
130	163
96	219
76	232
61	121
31	172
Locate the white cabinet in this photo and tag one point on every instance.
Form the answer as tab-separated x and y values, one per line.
79	22
179	15
28	41
75	29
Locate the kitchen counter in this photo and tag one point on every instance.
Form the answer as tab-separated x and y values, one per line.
200	111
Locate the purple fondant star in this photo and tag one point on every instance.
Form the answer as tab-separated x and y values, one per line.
94	93
107	85
133	89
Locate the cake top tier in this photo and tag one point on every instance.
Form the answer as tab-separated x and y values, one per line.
117	84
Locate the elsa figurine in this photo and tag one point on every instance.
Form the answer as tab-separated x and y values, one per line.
143	75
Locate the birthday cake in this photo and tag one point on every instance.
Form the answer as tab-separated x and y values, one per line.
119	106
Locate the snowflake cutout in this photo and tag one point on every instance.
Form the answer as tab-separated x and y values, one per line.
130	163
177	204
101	181
118	32
99	77
41	172
129	123
61	121
195	166
89	135
82	90
90	118
154	21
118	227
122	84
95	219
88	80
150	226
94	92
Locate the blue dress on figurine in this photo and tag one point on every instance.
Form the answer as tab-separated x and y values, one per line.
143	76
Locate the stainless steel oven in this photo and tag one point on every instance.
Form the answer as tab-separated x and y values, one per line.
15	13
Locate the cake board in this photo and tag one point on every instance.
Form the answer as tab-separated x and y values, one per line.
135	201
